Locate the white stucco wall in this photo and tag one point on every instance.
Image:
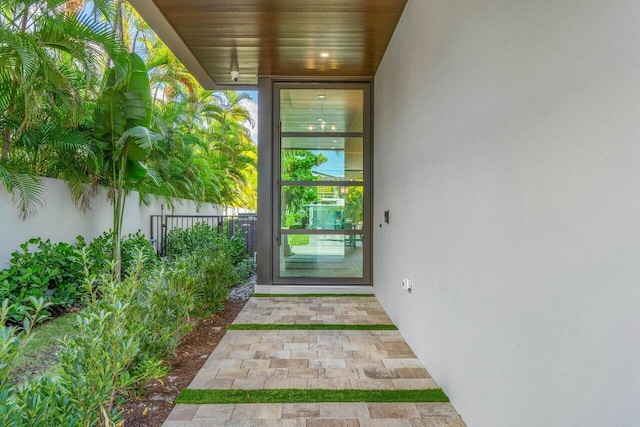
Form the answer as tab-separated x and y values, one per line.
507	147
60	221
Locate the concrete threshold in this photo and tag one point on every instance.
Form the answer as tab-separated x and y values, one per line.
313	289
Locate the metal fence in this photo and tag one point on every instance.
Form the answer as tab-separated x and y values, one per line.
161	226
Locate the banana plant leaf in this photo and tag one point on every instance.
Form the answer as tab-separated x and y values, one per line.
139	84
121	122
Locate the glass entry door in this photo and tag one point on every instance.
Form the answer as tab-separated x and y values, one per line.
322	184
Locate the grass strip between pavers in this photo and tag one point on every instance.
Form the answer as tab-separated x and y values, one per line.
311	327
309	295
191	396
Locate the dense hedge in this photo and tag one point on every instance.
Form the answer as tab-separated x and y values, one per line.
125	331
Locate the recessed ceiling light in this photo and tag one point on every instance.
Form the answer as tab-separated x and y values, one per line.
333	128
324	54
322	96
310	127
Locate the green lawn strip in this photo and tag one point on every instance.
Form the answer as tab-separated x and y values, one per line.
38	355
298	239
309	295
190	396
311	327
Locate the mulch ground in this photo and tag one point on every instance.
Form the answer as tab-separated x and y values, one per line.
156	402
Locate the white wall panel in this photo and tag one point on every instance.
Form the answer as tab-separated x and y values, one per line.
60	221
507	148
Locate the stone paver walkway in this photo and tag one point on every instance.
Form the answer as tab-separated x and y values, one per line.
309	310
314	359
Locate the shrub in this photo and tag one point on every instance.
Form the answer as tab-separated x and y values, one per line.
132	246
123	335
203	238
121	340
55	271
100	252
205	277
245	269
51	271
200	237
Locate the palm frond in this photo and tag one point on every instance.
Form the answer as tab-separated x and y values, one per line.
81	192
27	191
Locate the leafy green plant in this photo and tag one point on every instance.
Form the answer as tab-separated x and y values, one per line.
56	271
205	277
120	341
132	246
203	237
41	269
101	248
49	59
120	338
123	116
200	237
219	276
12	343
245	269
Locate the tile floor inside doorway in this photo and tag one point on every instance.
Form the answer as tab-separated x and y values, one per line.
314	359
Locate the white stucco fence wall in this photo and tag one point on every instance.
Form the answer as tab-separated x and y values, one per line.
513	130
60	221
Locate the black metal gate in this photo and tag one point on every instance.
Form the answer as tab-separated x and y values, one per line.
161	225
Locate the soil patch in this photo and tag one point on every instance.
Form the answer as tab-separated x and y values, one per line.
153	407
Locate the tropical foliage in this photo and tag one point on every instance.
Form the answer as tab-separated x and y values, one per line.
49	66
63	66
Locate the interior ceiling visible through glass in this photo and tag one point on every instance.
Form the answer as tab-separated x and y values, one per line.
321	110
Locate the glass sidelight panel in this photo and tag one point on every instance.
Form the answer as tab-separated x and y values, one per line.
312	207
328	159
321	255
322	110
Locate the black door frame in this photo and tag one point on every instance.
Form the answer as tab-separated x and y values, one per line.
269	174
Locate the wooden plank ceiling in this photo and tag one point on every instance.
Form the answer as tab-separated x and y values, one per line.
327	38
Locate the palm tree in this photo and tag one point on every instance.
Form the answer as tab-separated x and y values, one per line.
212	157
47	59
170	80
234	149
52	59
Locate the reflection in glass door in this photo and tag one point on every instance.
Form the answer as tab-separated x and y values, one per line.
322	184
